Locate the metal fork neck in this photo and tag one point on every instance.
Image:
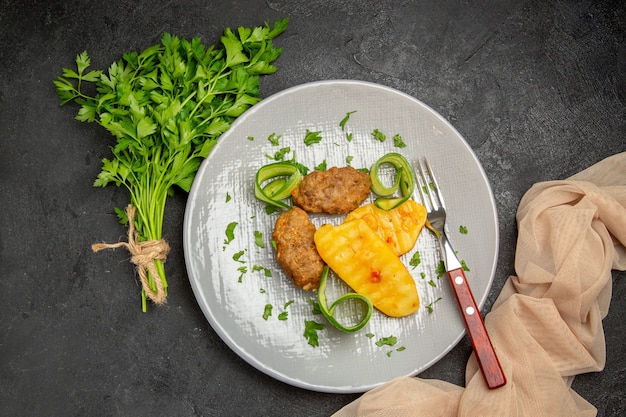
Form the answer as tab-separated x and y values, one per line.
452	261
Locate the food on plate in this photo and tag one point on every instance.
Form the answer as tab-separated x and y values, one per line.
404	181
275	182
295	248
399	227
329	310
369	266
334	191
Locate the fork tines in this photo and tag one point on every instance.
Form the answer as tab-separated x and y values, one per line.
427	183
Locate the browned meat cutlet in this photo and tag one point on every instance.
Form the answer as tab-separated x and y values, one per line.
295	248
334	191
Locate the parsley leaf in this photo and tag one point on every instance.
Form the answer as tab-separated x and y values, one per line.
388	341
430	307
237	256
230	232
311	327
166	107
321	166
280	154
416	259
242	270
441	269
273	138
378	135
343	121
312	137
464	265
258	239
315	307
398	142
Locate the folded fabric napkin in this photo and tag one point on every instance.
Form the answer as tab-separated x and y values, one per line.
546	324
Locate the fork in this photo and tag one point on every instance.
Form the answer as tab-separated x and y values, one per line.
432	199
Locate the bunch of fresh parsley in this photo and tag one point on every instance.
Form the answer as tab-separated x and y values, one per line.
166	107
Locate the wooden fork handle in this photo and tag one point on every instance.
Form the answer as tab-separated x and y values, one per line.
483	349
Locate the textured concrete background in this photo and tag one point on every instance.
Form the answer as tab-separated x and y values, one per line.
537	88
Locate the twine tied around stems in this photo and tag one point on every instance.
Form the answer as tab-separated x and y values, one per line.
143	255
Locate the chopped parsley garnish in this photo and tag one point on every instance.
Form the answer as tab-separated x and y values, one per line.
273	138
242	270
285	315
280	154
430	306
266	271
321	166
464	265
416	259
387	341
238	255
258	239
441	269
463	230
302	168
378	135
267	311
349	159
398	142
311	327
343	121
426	189
228	197
315	307
230	232
312	137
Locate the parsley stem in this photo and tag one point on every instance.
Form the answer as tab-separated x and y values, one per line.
146	101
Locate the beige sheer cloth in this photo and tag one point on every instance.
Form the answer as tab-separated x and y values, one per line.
546	324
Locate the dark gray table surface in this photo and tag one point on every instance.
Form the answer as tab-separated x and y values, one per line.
537	88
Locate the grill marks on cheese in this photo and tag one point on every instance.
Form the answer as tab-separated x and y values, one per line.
369	266
399	227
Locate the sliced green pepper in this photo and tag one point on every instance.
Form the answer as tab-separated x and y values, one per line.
329	312
404	181
283	177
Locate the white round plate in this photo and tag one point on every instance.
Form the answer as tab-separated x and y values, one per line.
228	275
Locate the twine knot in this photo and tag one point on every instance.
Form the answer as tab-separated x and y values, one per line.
143	255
